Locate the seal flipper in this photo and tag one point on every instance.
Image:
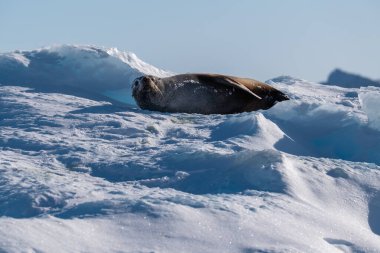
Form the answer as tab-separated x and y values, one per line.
224	80
242	87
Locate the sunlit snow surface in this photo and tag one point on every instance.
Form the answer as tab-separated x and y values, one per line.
82	173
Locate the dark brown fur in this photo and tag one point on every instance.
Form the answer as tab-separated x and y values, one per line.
204	93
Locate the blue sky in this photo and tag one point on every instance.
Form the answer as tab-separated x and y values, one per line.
258	39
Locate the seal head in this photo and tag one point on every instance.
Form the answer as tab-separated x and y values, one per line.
147	93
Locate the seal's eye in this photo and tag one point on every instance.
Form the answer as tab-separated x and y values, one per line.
136	83
145	79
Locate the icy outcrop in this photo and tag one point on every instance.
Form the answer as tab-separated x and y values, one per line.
348	80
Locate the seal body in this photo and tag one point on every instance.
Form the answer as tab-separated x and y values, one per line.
204	93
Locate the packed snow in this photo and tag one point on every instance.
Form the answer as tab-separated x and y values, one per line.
80	172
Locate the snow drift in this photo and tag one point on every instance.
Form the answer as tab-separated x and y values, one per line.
302	176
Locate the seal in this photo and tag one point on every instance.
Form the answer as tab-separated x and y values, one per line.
204	94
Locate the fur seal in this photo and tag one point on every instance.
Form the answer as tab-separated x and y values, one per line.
204	94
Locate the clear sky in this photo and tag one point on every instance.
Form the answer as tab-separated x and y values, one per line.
258	39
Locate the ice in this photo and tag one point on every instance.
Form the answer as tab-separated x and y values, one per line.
370	101
82	173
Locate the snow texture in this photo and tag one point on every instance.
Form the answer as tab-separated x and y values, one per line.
82	173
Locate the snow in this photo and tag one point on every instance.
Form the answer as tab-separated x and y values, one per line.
76	70
82	173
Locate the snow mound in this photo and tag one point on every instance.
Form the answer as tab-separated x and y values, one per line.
247	129
225	173
318	118
75	69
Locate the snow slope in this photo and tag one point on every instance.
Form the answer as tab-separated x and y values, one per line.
82	174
